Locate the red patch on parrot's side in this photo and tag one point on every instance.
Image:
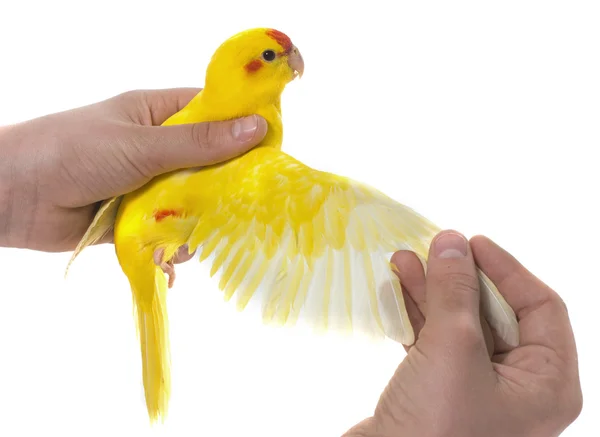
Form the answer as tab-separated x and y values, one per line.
253	66
164	213
281	38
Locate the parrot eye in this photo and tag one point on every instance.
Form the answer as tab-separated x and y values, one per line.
268	55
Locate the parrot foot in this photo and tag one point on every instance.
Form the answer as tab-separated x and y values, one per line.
167	267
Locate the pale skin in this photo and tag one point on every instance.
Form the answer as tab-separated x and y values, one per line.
55	169
456	380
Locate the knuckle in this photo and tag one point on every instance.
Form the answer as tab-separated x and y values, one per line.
560	302
465	282
138	161
134	105
132	95
203	134
458	288
468	328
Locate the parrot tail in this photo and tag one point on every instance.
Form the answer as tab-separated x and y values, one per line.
149	289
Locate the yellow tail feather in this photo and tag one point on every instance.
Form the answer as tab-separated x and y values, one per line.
152	325
149	289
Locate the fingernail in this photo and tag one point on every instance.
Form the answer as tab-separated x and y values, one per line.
450	245
244	129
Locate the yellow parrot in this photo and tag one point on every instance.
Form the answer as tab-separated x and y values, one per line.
305	244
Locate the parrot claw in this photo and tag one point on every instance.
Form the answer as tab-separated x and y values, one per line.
166	267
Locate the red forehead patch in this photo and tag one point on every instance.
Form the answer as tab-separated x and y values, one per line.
281	38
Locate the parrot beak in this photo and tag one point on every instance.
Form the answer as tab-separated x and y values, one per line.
296	62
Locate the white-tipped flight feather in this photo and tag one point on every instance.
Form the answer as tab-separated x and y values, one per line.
322	255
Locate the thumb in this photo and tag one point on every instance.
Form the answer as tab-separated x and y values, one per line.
168	148
453	295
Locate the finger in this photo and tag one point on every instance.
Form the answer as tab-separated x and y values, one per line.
412	279
411	275
166	148
453	296
161	104
542	315
414	316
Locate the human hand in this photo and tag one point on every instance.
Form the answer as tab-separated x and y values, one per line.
55	170
448	385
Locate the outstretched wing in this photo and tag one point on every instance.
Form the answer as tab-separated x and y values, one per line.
103	222
314	247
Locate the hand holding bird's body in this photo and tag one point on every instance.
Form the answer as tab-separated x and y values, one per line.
58	167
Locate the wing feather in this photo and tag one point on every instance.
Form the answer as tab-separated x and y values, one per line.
255	276
101	225
289	293
313	247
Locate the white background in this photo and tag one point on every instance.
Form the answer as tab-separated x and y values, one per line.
484	116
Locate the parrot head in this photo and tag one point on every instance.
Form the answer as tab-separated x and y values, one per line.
253	66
